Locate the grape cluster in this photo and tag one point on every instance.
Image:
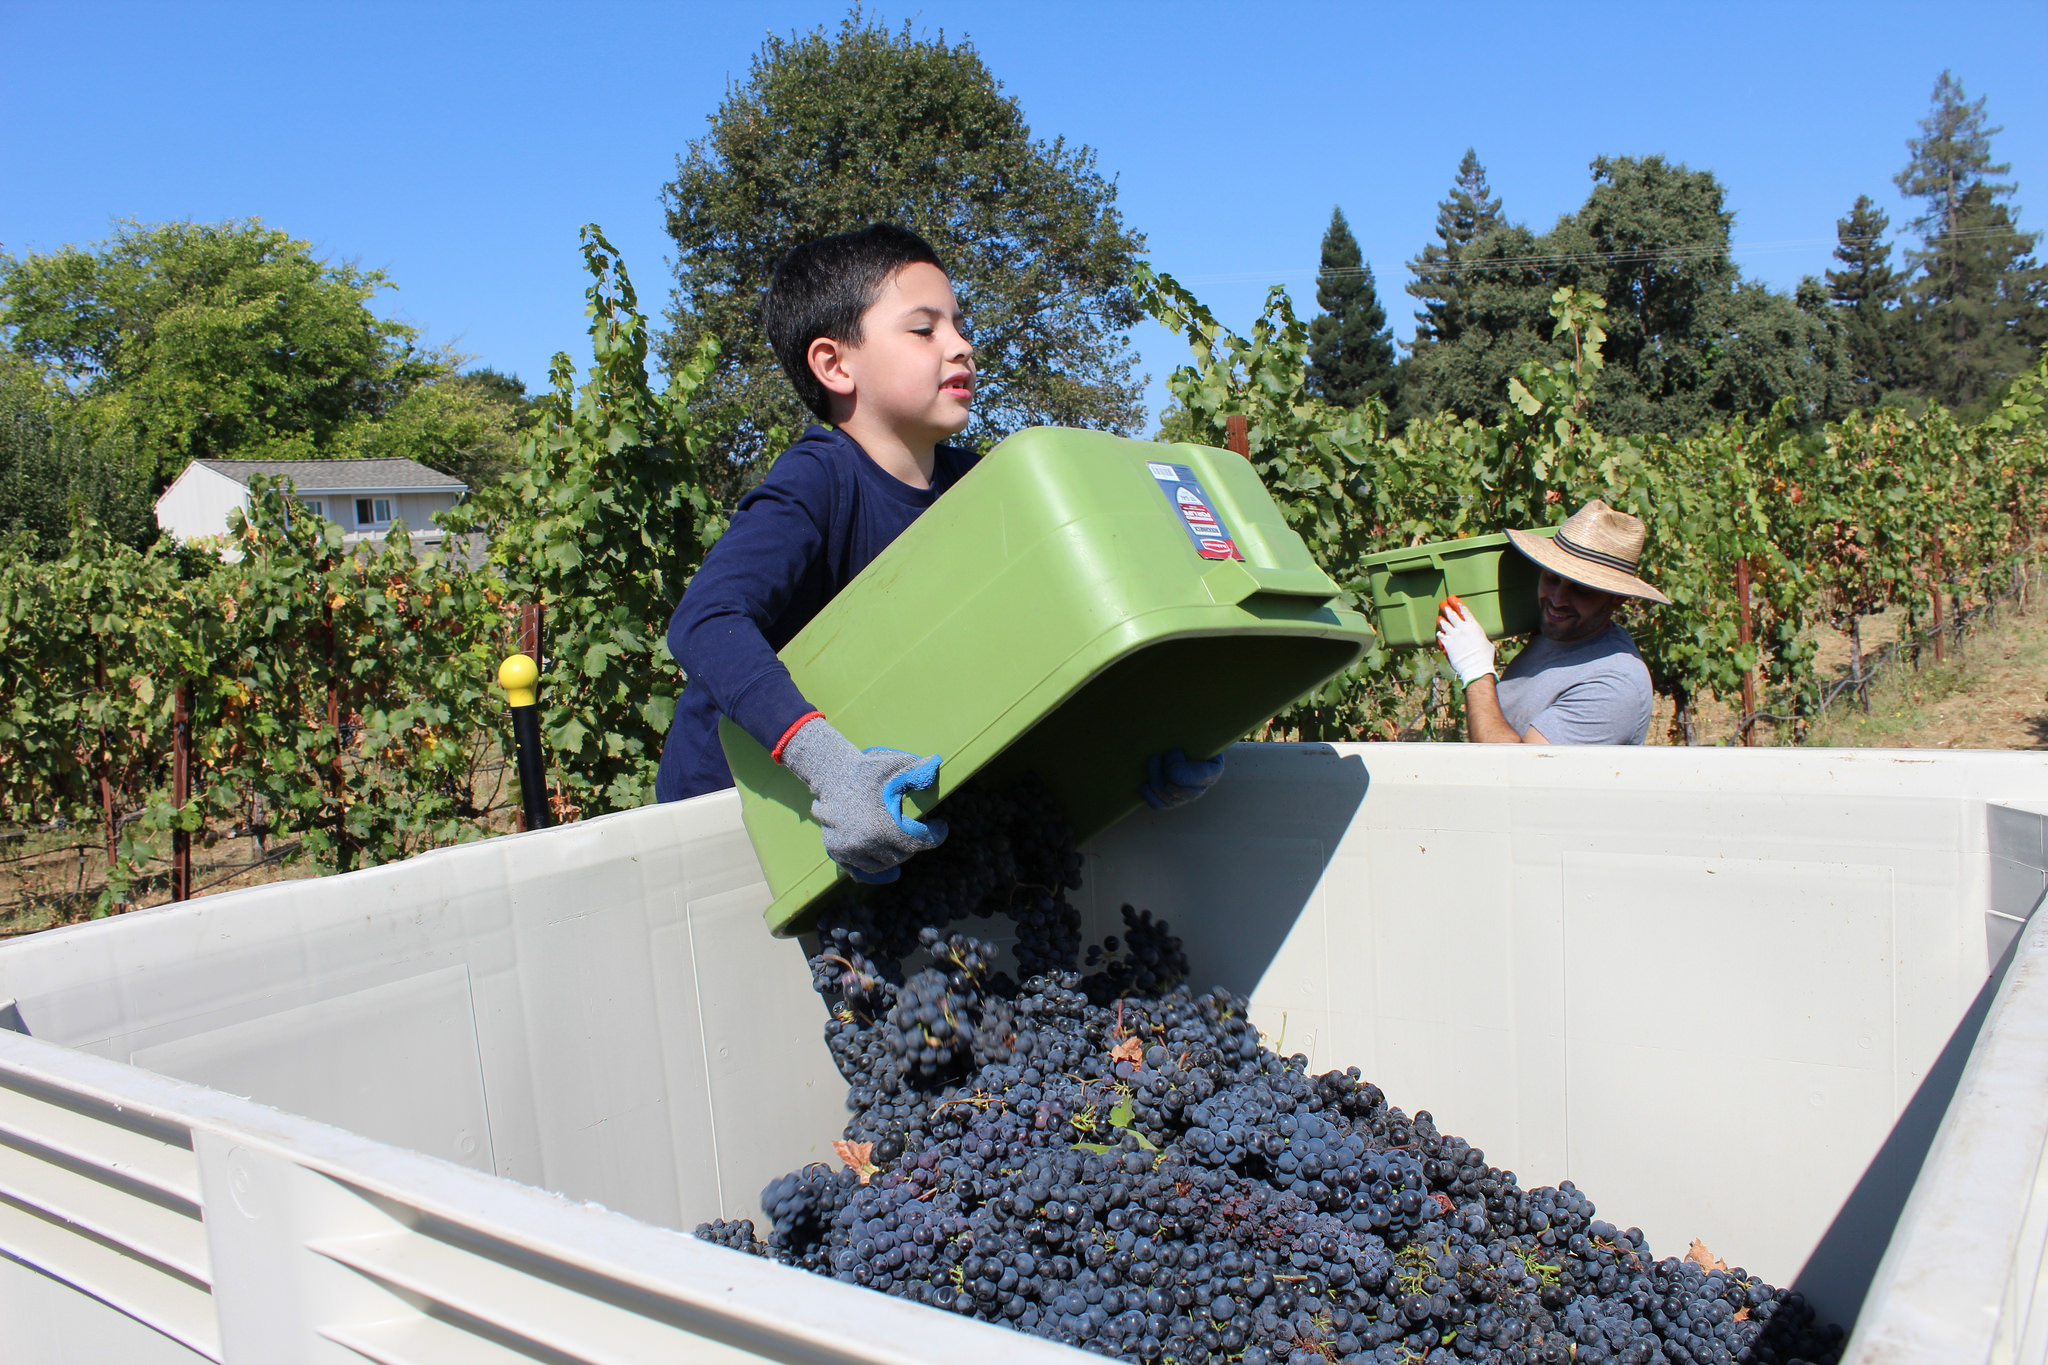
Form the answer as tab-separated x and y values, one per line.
1115	1162
930	1032
1147	960
736	1234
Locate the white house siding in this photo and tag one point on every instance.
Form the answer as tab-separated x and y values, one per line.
198	502
418	509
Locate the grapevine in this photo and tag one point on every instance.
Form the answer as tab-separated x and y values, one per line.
1834	524
342	694
607	516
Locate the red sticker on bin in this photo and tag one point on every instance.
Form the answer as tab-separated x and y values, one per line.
1197	515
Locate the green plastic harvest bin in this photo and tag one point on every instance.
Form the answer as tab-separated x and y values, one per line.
1075	604
1495	581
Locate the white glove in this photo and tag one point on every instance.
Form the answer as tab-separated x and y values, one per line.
1464	641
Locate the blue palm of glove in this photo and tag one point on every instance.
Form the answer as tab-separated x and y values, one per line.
1173	779
929	833
859	806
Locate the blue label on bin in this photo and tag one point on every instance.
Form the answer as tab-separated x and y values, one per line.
1197	515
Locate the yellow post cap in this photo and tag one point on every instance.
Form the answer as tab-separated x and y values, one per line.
520	677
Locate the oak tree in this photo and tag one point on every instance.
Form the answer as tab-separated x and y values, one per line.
1688	342
219	340
832	131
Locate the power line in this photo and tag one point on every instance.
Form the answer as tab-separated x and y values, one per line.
1643	255
1537	260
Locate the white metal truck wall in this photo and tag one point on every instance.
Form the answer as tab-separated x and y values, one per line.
45	1321
595	1010
169	1224
1964	1276
1702	983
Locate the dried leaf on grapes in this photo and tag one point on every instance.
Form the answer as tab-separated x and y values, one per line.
858	1157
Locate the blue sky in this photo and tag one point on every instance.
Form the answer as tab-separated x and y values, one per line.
458	146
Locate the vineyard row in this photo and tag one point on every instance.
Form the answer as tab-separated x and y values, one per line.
1823	525
342	697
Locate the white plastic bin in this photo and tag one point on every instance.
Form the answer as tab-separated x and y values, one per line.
1727	992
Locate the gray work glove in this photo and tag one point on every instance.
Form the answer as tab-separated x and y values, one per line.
860	800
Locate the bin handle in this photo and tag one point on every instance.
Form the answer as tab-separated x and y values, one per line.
1426	560
1309	582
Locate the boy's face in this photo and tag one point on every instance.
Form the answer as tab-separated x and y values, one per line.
913	372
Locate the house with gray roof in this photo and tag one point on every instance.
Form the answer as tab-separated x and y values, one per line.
363	496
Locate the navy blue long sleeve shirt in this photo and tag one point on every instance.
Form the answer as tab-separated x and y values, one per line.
821	516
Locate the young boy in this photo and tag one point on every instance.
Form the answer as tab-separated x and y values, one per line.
867	328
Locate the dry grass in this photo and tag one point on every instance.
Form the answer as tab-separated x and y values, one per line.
53	877
1991	693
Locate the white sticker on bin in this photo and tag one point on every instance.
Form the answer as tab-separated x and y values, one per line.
1163	472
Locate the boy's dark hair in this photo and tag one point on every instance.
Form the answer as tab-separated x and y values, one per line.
823	288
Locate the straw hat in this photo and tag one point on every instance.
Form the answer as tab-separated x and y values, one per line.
1598	547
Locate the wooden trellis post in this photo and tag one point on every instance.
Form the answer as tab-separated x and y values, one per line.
1743	638
1238	434
181	789
1940	624
529	634
106	767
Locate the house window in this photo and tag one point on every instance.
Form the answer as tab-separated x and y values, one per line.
373	511
314	506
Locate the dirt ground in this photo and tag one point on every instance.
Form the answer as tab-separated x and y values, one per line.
1990	693
51	877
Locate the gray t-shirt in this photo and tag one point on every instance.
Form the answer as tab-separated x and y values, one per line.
1594	691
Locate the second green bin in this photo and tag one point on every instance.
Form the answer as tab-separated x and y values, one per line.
1495	581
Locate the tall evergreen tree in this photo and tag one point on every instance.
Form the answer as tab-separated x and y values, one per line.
1866	291
1470	212
1979	316
1974	305
1952	154
1351	351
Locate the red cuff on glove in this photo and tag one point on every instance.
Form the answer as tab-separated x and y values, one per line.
789	734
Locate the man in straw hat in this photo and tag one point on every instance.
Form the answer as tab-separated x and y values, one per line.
1581	680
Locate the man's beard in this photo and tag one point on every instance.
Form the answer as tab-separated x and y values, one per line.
1581	628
